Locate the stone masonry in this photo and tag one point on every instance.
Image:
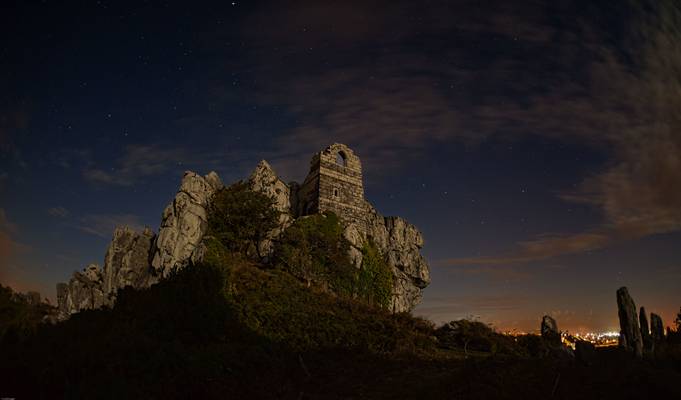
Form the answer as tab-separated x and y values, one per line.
334	183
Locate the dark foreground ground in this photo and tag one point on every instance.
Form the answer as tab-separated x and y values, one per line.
348	375
267	337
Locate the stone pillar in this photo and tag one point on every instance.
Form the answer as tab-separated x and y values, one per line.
656	328
647	340
630	333
549	330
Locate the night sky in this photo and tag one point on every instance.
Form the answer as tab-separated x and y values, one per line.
536	145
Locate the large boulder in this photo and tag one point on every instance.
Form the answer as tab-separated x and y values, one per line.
184	222
630	333
84	291
141	259
646	339
126	264
549	330
400	242
127	260
265	180
656	328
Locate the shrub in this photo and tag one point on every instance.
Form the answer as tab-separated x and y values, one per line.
474	335
239	218
313	249
375	279
279	307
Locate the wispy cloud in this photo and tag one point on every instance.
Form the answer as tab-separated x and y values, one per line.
103	225
58	212
137	163
632	109
541	248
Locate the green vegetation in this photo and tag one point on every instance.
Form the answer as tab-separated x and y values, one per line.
313	249
240	218
281	309
375	279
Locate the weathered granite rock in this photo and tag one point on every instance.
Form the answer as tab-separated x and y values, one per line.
265	180
549	330
400	242
646	339
630	333
184	223
127	260
656	328
585	352
126	264
83	292
334	184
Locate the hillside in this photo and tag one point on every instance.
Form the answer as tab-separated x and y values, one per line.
236	331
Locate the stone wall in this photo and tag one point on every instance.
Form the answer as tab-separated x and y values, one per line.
334	183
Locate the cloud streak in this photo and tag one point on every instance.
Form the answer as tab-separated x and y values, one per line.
103	225
137	163
541	248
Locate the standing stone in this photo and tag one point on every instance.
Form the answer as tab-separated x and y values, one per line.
585	352
647	340
656	328
184	223
630	333
549	330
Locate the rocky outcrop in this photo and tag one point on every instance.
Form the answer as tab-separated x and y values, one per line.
549	330
264	180
127	260
400	243
184	222
141	259
126	263
83	292
656	328
630	333
646	339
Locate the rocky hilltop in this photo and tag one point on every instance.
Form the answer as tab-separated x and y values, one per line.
140	259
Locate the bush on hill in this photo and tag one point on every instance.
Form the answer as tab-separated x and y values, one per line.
375	279
475	336
239	218
313	249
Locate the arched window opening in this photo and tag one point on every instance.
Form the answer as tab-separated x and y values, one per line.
341	159
335	192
